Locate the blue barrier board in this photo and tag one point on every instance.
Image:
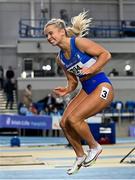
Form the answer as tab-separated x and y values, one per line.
25	122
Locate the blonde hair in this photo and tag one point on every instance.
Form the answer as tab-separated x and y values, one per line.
58	22
79	25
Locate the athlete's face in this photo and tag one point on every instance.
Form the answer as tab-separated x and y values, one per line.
54	34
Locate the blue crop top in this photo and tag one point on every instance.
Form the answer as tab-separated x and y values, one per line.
77	61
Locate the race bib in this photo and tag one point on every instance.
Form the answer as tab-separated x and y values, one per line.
104	93
76	69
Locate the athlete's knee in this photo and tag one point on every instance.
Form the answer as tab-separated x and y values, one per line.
73	119
63	123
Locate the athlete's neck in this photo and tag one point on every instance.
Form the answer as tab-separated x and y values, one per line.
64	45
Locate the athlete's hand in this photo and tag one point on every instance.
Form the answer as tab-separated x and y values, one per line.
86	70
61	91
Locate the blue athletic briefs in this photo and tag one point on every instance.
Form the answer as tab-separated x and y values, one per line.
90	84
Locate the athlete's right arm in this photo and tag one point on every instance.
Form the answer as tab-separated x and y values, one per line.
72	81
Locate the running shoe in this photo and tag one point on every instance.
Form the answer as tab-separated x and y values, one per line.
77	165
92	156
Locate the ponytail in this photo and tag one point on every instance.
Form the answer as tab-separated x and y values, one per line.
80	25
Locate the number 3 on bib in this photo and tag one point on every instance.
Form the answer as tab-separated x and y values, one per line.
104	93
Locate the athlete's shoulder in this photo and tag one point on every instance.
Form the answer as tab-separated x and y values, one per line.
59	61
82	42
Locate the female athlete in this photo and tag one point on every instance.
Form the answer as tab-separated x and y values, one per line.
82	60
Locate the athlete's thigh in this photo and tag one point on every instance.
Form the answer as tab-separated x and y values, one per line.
74	103
93	103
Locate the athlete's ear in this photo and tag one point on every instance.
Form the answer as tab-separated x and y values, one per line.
63	31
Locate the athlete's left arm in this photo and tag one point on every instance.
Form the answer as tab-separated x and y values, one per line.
94	49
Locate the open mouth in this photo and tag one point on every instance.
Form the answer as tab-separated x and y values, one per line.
53	42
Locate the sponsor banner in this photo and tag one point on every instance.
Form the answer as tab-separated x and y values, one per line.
26	122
